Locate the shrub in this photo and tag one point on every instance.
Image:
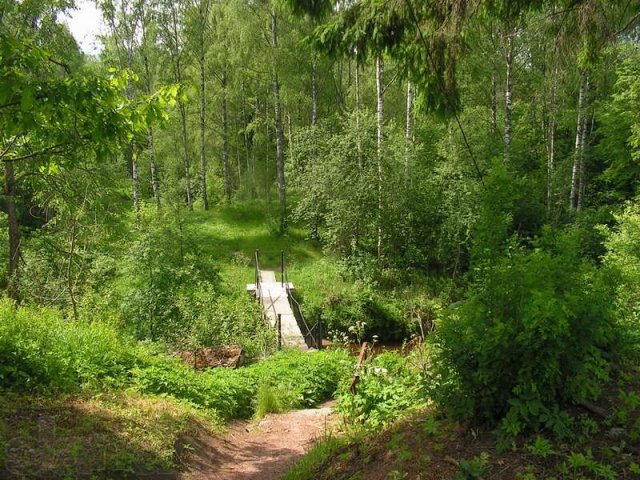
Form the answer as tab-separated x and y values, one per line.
389	386
41	351
623	258
307	379
531	335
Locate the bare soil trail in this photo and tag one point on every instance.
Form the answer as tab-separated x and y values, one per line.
258	450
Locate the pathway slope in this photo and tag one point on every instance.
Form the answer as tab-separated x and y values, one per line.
262	450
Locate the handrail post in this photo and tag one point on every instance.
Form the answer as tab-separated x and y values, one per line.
257	267
279	331
282	267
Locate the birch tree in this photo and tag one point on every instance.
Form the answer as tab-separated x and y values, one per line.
277	107
577	170
380	144
173	42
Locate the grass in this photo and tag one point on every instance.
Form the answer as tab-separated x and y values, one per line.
112	434
307	468
231	235
268	400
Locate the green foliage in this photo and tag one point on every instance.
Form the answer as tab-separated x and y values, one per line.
623	258
306	378
578	463
532	334
166	280
389	387
474	468
42	352
541	447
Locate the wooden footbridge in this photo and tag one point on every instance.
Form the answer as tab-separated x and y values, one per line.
281	309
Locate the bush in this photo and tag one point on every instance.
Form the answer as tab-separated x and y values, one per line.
623	259
532	334
42	352
389	386
308	379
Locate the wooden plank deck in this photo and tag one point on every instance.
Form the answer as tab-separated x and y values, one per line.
275	301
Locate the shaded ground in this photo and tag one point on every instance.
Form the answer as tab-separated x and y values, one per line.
426	446
108	436
258	450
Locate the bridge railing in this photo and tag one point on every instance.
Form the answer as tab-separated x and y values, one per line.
312	334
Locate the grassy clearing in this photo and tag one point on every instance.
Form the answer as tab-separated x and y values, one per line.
230	236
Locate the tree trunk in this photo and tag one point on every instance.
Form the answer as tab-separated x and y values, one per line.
494	106
203	154
152	165
508	93
282	195
155	188
185	154
357	87
290	140
408	131
225	140
14	230
136	183
239	165
314	92
582	177
177	72
267	182
245	141
380	138
579	144
551	143
70	282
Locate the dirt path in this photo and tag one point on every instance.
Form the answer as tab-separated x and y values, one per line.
259	450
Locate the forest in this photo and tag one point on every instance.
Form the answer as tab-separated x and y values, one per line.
450	185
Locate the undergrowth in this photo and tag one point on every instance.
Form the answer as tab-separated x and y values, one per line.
40	352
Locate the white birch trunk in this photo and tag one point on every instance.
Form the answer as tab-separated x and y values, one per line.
136	186
280	179
494	106
314	92
357	87
508	97
409	131
579	143
185	153
155	188
203	153
380	140
551	143
225	140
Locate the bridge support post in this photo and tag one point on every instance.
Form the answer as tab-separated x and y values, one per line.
282	267
279	331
